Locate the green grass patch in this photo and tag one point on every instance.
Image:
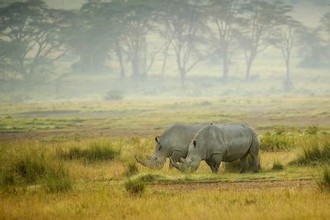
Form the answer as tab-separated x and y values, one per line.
28	165
96	152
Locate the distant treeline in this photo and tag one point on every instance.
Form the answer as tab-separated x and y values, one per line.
34	37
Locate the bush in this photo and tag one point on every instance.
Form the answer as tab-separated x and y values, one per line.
96	152
276	140
114	95
21	167
135	187
312	129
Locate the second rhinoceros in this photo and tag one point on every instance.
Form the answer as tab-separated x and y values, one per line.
217	143
173	143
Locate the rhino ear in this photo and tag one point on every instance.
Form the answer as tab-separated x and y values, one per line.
194	142
157	139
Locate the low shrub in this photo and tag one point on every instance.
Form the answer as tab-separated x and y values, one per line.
114	95
312	130
135	187
276	140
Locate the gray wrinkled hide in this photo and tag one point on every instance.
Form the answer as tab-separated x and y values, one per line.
173	143
217	143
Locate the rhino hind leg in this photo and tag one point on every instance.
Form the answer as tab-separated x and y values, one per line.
254	152
244	163
255	161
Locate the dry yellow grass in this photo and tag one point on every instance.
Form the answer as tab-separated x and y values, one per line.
98	188
111	201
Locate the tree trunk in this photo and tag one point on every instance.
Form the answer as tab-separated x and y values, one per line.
287	64
135	69
121	62
164	64
182	76
287	83
225	64
248	70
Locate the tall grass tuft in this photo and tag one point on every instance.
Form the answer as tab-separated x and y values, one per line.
135	187
95	152
277	165
324	183
26	166
314	155
58	179
132	169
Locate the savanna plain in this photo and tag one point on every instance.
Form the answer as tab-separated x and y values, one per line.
75	160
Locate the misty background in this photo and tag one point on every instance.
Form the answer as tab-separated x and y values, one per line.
57	50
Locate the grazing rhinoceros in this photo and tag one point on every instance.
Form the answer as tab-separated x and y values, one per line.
174	143
216	143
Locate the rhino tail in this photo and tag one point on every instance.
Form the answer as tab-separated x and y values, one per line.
254	150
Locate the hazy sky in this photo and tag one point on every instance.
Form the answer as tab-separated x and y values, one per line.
72	4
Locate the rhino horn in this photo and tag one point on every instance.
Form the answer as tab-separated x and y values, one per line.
147	163
176	165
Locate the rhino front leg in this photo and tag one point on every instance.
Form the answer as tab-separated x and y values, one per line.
215	162
176	156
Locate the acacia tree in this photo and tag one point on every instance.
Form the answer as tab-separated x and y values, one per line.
313	48
285	39
31	34
263	19
87	38
225	16
184	24
325	21
138	21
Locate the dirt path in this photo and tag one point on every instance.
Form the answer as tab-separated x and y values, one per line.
238	185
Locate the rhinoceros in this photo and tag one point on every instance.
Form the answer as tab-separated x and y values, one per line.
174	143
217	143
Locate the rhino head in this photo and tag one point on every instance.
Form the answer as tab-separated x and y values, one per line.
158	159
191	162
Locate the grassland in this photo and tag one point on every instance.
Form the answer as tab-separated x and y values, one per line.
70	134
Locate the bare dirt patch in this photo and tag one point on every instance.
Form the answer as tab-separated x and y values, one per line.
246	185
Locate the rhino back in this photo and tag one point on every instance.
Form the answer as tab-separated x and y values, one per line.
179	136
233	141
